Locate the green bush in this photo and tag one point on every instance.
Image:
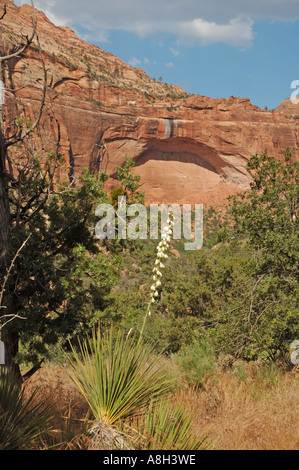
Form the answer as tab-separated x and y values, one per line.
196	360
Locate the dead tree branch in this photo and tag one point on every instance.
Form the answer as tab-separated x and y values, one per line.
22	135
9	271
27	39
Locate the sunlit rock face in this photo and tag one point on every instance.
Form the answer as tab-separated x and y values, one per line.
187	148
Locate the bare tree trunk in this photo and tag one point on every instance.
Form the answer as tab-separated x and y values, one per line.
9	303
11	342
4	201
4	212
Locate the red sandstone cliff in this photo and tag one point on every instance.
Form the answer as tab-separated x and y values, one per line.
187	148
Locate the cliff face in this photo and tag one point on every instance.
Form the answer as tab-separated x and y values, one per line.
187	148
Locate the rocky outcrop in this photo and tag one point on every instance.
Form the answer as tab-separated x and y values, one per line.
187	148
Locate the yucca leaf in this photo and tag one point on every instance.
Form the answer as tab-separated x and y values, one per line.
118	375
167	426
22	420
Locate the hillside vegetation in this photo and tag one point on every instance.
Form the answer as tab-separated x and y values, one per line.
220	321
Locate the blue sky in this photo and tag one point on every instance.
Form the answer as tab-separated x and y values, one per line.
212	48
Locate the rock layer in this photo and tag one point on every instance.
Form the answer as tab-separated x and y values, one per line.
187	148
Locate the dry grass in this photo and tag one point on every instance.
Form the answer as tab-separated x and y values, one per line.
248	413
70	410
241	408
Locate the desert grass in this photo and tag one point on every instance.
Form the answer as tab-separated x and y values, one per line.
70	411
242	407
248	407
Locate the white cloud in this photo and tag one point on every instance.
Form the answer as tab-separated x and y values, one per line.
48	7
169	64
134	62
148	61
230	22
93	36
235	33
174	52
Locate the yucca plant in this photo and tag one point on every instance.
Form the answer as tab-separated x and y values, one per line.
168	426
71	434
22	419
122	378
118	376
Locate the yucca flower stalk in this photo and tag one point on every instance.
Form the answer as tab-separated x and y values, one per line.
162	255
123	379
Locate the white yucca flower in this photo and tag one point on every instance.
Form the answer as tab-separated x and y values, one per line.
161	249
